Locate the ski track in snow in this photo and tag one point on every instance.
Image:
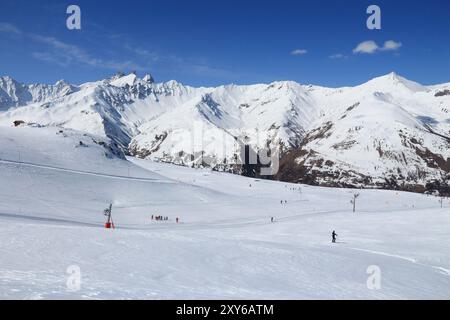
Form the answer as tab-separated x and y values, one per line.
412	260
29	164
46	220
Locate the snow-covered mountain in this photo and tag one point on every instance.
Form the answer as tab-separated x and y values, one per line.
389	132
14	94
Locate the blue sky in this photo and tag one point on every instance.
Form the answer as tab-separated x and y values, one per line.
212	42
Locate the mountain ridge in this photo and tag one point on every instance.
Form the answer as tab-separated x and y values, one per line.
389	132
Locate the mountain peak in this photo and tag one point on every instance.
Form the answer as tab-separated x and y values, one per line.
391	76
61	82
392	81
124	80
7	79
148	78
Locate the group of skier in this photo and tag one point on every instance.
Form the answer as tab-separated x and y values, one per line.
160	218
163	218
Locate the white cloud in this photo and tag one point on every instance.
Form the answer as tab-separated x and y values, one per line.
63	54
370	47
9	28
338	56
299	52
53	50
144	53
47	57
391	45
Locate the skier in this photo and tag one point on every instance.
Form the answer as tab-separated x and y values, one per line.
333	236
177	219
152	217
271	219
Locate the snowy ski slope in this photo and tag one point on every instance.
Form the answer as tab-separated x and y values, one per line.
53	192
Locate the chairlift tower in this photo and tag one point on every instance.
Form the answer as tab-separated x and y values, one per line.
355	196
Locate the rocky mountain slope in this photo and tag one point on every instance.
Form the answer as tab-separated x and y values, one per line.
387	133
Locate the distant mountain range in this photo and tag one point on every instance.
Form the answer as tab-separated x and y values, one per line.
389	132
